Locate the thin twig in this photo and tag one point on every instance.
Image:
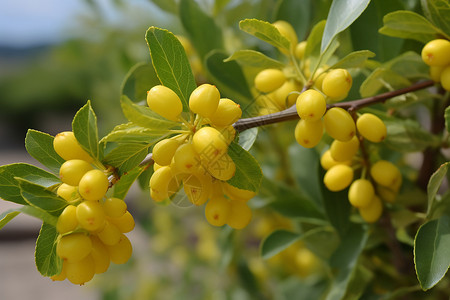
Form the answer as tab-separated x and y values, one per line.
291	112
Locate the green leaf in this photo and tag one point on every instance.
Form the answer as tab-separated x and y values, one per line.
447	118
9	187
171	63
265	31
40	146
434	184
229	78
130	133
408	136
248	137
289	202
125	182
432	251
409	65
141	78
382	78
409	25
438	11
126	156
277	241
355	59
281	239
358	282
344	261
84	127
195	21
40	197
248	174
341	15
337	209
144	116
7	216
39	214
254	59
48	262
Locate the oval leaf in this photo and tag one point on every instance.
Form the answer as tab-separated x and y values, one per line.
248	174
40	146
255	59
432	251
40	197
9	186
265	31
409	25
434	184
48	262
171	63
141	78
84	127
341	15
277	241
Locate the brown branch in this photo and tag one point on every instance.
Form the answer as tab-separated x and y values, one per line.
291	112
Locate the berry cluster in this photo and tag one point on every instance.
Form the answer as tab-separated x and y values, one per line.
436	54
91	227
198	158
341	161
279	88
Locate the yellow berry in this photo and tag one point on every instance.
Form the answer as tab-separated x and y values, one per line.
445	78
68	192
223	168
217	211
337	83
436	53
124	223
344	151
74	247
361	193
309	133
371	127
300	50
385	173
197	188
110	234
284	96
114	207
90	215
67	146
372	212
100	255
165	102
240	215
235	193
204	100
339	124
121	252
93	185
288	32
227	113
73	170
164	150
268	80
311	105
67	220
209	144
435	73
338	177
81	271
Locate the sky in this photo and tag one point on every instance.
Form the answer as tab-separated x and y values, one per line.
29	22
33	22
